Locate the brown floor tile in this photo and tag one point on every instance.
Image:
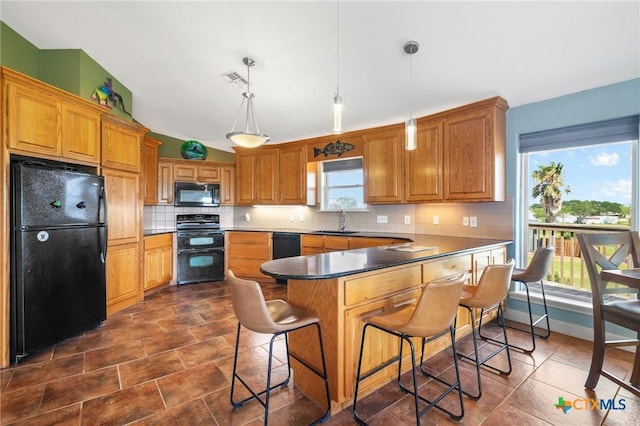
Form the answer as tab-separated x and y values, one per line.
183	386
83	343
80	388
571	379
149	368
209	350
161	342
47	371
151	315
19	404
515	416
123	406
191	307
192	413
214	329
69	415
95	360
180	321
136	332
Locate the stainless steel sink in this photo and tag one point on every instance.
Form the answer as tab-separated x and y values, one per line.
334	232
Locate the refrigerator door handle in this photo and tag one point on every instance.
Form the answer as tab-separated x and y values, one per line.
104	233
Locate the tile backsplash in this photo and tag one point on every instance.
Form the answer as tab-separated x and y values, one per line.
494	219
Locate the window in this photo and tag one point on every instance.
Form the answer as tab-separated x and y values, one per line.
342	185
577	179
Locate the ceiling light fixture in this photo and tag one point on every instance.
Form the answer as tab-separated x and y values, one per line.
251	137
410	48
338	106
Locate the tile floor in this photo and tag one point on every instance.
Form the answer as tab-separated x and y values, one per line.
168	360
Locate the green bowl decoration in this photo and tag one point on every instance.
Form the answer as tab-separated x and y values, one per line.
193	150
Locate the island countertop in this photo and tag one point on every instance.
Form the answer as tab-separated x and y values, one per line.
348	262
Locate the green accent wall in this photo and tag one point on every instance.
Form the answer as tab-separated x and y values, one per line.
18	53
170	148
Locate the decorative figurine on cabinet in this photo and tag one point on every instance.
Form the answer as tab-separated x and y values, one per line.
106	93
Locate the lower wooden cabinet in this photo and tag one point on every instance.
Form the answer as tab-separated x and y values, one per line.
123	276
246	251
314	244
158	260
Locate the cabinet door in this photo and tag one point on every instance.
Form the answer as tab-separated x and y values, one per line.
423	166
332	243
474	153
247	251
158	260
227	186
165	183
123	215
293	175
34	121
267	177
80	133
362	242
245	187
311	244
208	174
185	173
375	352
151	171
123	276
382	163
120	147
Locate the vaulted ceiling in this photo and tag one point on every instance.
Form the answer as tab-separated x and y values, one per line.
172	56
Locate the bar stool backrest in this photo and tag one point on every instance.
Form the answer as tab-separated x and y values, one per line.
539	266
493	285
249	305
436	308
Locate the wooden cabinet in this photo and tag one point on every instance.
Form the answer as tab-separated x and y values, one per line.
474	152
150	164
383	165
314	244
246	251
205	173
50	123
158	260
123	276
362	242
293	175
165	182
311	244
256	176
227	186
121	147
423	166
123	214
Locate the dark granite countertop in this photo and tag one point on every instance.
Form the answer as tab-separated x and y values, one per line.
150	232
349	262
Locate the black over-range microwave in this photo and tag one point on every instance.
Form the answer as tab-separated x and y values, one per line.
191	194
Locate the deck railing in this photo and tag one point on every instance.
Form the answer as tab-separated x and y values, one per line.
568	270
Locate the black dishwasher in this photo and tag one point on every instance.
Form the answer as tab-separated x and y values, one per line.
285	244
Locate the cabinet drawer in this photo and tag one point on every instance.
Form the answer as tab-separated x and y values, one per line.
156	241
444	268
312	241
336	243
249	237
381	284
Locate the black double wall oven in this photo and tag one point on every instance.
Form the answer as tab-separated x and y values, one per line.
200	248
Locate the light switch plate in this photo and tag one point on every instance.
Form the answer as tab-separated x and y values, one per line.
473	222
436	220
465	221
407	219
381	219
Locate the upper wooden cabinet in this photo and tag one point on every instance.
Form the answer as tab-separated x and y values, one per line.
175	170
48	122
474	152
256	176
293	175
121	144
165	182
227	186
205	173
383	165
150	163
423	166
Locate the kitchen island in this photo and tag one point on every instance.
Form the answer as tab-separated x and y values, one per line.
342	288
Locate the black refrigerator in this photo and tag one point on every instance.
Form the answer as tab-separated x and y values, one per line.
58	251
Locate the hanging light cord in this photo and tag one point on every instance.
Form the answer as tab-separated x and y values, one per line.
337	47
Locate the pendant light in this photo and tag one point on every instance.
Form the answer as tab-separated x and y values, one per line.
338	106
251	136
410	48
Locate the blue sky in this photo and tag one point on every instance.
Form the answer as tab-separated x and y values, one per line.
599	172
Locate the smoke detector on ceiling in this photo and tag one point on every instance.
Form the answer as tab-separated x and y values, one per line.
234	79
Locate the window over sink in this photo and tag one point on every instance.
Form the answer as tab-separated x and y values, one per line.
342	185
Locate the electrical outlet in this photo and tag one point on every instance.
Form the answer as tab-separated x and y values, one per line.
291	218
381	219
473	222
247	217
465	221
436	220
407	219
301	217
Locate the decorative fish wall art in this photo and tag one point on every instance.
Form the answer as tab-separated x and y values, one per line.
338	147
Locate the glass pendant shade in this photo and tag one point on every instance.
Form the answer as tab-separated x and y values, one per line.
338	108
251	137
410	142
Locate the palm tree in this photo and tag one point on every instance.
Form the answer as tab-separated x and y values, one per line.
549	187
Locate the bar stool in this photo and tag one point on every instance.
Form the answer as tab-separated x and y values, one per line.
431	317
535	272
491	290
275	317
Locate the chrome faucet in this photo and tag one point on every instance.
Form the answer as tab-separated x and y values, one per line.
343	220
